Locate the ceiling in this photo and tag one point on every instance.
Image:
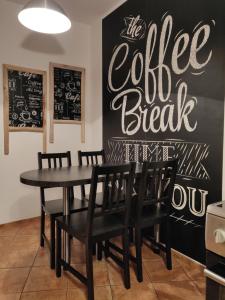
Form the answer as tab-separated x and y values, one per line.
84	11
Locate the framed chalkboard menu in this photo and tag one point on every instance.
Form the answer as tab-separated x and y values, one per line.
66	97
24	102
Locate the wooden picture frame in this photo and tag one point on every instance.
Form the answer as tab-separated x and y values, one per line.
7	101
52	86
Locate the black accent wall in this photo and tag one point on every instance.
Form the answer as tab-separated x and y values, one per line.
163	98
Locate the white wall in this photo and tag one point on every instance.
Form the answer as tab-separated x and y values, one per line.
22	47
82	46
96	76
96	81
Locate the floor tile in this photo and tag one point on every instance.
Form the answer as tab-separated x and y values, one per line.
32	227
73	282
78	254
44	295
10	229
13	280
140	292
101	293
194	270
42	257
26	242
29	227
4	259
43	278
116	274
24	267
101	277
5	242
201	285
179	290
158	272
17	258
10	296
19	252
147	252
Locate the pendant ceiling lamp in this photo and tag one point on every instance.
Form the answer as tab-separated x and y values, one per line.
45	16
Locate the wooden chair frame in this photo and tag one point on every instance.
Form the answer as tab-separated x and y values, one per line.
111	206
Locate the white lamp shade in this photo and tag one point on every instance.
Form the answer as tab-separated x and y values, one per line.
44	16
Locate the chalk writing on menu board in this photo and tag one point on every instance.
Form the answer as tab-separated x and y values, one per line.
25	99
67	94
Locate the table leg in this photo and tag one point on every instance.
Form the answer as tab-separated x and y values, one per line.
157	226
66	212
157	235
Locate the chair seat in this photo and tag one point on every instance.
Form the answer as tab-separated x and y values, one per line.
151	215
99	198
76	225
55	207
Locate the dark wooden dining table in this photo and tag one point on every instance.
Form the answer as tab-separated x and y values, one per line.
66	178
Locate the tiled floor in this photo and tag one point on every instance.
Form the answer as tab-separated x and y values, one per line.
25	273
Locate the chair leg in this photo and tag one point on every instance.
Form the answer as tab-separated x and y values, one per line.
94	249
42	229
89	271
52	242
138	246
70	249
106	249
58	252
131	235
168	245
126	259
99	250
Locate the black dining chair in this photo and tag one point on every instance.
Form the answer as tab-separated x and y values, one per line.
152	206
54	208
91	158
100	224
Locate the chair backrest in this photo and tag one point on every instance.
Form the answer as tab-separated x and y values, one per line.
90	158
54	160
112	177
156	186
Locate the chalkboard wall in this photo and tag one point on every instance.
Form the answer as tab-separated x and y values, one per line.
25	99
67	94
163	98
